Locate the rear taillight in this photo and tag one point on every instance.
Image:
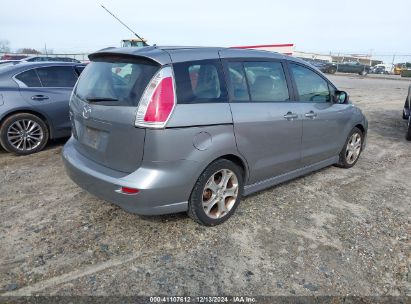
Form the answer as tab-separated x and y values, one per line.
158	100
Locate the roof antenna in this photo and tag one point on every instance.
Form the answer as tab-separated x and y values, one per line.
125	25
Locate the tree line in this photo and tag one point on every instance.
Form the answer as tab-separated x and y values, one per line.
5	48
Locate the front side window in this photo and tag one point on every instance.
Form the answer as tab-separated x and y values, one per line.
199	82
57	76
29	78
311	87
266	81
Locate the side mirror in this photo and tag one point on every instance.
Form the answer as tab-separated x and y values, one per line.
341	97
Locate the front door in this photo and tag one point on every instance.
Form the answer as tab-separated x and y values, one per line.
323	120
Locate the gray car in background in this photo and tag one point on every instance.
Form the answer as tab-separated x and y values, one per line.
34	104
176	129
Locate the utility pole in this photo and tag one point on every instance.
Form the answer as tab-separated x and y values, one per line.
371	50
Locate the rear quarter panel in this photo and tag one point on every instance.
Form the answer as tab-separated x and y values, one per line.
199	133
198	146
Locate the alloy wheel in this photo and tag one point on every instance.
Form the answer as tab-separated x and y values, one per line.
220	193
353	149
25	134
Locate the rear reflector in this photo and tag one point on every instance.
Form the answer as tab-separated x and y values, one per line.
126	190
158	100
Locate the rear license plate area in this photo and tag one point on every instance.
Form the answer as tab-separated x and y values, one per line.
94	138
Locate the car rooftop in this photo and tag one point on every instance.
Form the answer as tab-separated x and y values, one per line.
161	54
138	50
31	63
23	65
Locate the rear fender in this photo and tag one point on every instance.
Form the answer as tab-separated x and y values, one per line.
200	144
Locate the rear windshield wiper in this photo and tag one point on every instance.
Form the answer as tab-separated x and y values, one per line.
98	99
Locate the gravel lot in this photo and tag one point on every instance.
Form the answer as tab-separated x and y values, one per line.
334	232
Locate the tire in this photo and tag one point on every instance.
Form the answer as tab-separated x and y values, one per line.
332	70
403	112
23	134
204	205
363	73
408	135
347	159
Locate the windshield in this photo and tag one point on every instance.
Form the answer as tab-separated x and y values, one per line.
115	82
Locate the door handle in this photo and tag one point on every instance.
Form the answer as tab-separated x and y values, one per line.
311	115
290	116
39	97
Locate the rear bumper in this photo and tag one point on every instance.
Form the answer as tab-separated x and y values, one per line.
165	187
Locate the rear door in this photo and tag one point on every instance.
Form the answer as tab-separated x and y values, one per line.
103	110
267	125
49	89
323	120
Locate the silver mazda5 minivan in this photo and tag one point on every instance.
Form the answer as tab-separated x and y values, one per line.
160	130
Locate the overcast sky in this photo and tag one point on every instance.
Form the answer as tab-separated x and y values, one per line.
380	27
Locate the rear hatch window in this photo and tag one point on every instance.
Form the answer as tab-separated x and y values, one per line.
103	111
115	81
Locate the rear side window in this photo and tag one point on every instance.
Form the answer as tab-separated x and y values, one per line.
29	78
115	81
311	87
57	76
266	81
238	82
200	82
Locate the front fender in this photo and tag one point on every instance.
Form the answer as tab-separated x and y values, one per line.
357	119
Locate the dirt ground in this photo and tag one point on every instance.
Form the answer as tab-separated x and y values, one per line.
334	232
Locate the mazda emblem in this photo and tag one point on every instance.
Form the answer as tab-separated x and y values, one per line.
86	112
